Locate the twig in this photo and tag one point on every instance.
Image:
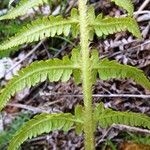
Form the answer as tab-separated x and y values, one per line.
104	135
1	123
129	128
30	53
71	4
39	138
97	95
136	13
140	45
141	12
130	50
123	127
30	108
52	103
145	3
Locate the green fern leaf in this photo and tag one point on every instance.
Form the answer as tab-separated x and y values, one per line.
112	69
95	61
75	27
76	59
43	123
106	117
40	29
109	25
126	4
22	8
53	69
91	18
79	115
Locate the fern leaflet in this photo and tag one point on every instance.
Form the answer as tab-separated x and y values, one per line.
76	59
22	8
40	29
43	123
79	115
53	69
112	69
109	25
126	4
107	117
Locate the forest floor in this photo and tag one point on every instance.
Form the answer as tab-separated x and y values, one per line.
63	97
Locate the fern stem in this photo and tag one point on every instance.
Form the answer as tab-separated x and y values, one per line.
86	76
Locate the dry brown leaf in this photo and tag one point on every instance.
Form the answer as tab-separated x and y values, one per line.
133	146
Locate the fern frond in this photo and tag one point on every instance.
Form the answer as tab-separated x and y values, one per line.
43	123
126	4
112	69
79	115
53	69
22	8
40	29
109	25
106	117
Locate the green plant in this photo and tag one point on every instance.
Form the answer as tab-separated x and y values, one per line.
136	138
10	130
83	65
110	145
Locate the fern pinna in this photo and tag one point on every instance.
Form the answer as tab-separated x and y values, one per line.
83	65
